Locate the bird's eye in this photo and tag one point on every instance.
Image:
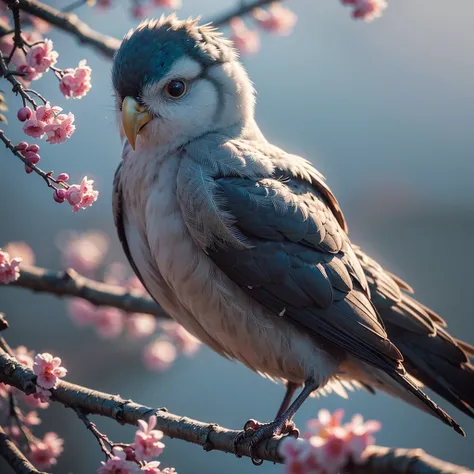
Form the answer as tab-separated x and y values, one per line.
176	89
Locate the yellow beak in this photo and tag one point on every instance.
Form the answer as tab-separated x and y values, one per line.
134	118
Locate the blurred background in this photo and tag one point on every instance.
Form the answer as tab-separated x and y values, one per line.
385	110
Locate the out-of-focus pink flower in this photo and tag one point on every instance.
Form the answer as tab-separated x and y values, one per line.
34	127
82	195
115	273
21	250
39	26
148	440
151	468
366	10
43	395
60	129
42	56
109	322
172	4
327	446
104	4
44	453
32	401
84	252
138	11
245	40
140	325
9	268
118	464
134	284
24	356
49	370
32	418
276	19
4	390
183	339
159	355
76	83
82	312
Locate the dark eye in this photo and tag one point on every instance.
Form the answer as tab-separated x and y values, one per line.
176	89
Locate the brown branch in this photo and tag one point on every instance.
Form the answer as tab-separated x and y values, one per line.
14	457
107	45
70	283
378	460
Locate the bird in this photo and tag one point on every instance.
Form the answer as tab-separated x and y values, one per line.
246	246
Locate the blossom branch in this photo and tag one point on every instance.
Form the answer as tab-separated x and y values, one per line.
14	457
241	10
70	283
376	460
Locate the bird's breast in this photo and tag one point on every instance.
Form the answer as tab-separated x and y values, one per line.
184	280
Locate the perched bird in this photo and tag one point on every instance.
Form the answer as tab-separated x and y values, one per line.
246	246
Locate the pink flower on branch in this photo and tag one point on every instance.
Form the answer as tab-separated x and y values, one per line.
42	56
34	127
276	19
44	453
9	268
82	312
60	129
159	355
148	440
118	464
140	325
76	83
245	40
367	10
328	446
81	195
48	370
24	356
109	322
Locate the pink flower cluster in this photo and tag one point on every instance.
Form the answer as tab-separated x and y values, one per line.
328	446
44	453
366	10
48	370
40	57
30	152
79	196
245	40
48	120
9	268
76	83
136	457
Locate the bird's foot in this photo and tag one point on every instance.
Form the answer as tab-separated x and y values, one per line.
254	432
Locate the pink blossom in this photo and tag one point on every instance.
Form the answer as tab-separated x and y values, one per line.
47	113
138	11
34	127
29	74
61	128
114	273
118	464
84	252
169	470
109	322
49	370
104	4
183	339
148	440
32	418
366	10
140	325
134	284
82	312
44	453
159	355
9	268
171	4
151	468
33	401
42	56
82	195
76	83
24	356
245	40
43	395
327	446
276	19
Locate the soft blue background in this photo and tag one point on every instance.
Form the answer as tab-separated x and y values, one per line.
384	110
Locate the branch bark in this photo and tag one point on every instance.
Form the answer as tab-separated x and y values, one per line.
14	457
378	460
107	45
70	283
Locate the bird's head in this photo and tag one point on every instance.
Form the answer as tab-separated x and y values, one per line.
175	81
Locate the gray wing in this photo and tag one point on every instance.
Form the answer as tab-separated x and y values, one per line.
300	265
438	360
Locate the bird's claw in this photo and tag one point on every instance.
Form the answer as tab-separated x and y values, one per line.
254	432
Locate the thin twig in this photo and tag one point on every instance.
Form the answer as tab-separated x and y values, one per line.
377	460
241	10
100	437
14	457
70	283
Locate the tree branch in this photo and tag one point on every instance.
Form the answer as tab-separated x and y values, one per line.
378	460
14	457
70	283
107	45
